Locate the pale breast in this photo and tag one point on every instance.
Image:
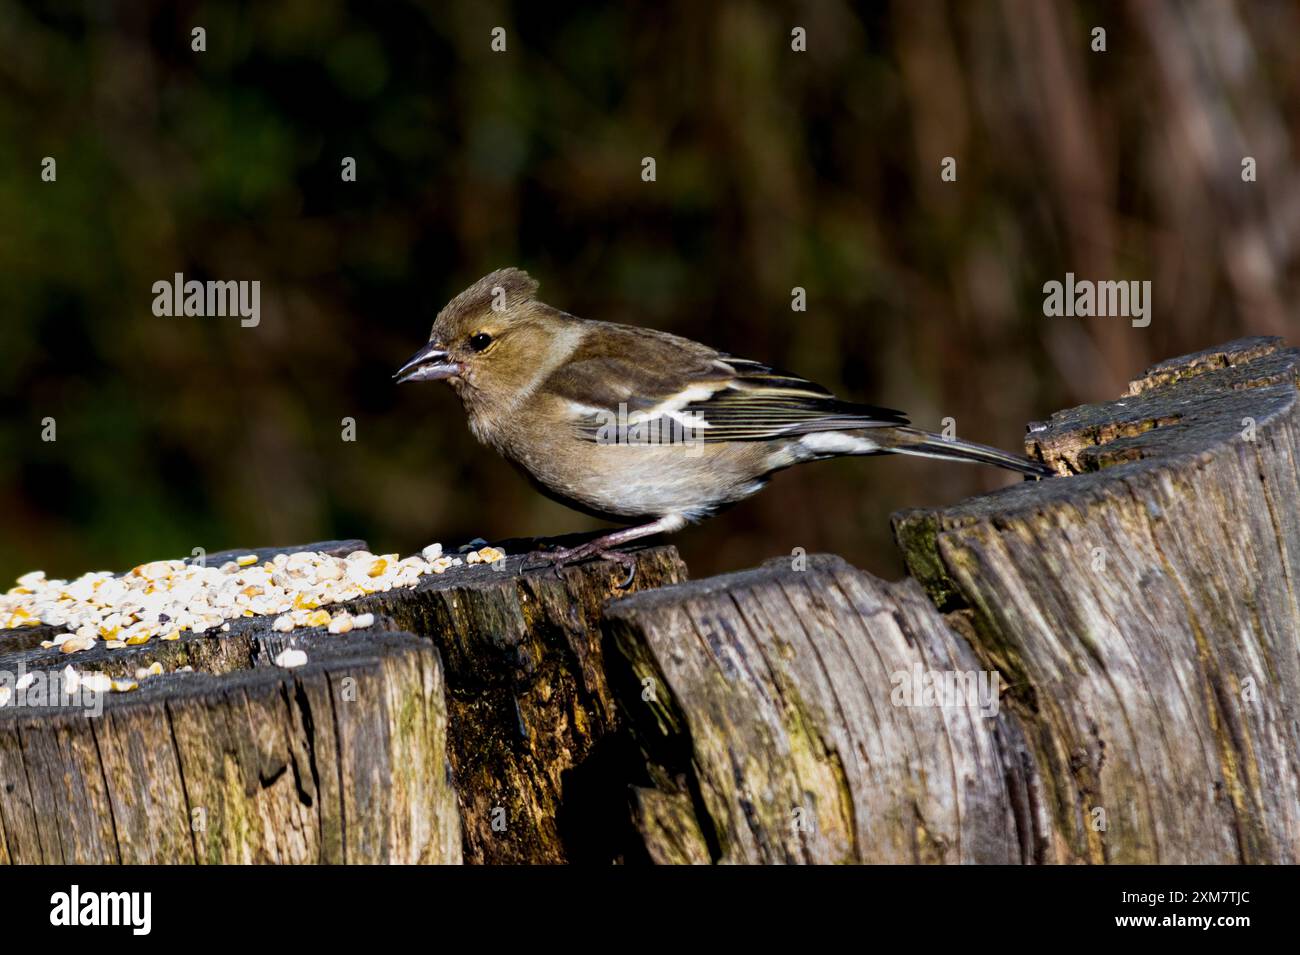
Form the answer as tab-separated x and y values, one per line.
635	481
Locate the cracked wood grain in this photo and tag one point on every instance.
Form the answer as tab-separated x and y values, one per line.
1149	605
772	736
342	760
500	711
1142	614
534	738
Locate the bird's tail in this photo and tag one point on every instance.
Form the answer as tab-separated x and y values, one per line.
927	445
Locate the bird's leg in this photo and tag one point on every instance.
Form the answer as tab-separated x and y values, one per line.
604	546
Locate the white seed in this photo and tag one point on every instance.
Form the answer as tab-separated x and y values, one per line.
291	658
32	579
159	599
362	620
153	669
283	623
341	623
97	682
154	570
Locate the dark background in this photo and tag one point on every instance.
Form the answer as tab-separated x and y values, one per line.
775	169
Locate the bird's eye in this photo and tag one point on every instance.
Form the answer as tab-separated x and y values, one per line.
480	341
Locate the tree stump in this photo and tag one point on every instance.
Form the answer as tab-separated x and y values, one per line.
341	760
762	701
1100	667
533	723
479	738
1141	615
1148	609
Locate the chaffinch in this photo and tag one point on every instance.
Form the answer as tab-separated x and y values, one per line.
639	426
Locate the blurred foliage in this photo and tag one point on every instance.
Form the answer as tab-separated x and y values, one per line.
775	169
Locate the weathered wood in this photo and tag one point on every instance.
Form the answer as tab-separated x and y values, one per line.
528	699
1149	608
342	760
764	703
1141	616
522	718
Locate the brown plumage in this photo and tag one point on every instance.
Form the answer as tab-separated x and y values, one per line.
640	426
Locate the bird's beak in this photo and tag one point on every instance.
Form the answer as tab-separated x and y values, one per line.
428	364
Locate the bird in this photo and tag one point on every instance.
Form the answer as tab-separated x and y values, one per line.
642	427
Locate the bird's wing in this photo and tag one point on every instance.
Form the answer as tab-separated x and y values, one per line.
633	377
760	403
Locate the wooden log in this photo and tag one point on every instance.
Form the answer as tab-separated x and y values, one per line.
513	700
1149	607
341	760
1134	624
764	703
1141	615
533	721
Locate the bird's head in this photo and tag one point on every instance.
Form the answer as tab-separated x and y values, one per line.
487	339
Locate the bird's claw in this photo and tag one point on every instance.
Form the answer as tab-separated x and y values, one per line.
571	555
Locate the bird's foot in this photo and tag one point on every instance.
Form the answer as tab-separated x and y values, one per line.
559	559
